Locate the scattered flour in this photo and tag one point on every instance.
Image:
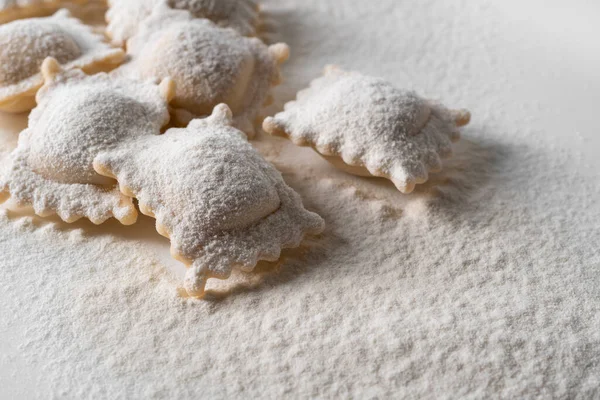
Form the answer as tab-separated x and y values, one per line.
483	283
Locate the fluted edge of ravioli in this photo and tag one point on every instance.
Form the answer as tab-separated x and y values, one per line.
366	126
88	51
70	193
218	201
210	65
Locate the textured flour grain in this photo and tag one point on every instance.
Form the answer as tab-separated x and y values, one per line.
481	284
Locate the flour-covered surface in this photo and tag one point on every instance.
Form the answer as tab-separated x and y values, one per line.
483	283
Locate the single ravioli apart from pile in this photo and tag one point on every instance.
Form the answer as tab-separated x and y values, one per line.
125	16
209	64
77	117
368	127
25	44
220	203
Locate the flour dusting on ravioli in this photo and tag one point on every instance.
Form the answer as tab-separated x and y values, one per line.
220	203
26	43
368	127
77	117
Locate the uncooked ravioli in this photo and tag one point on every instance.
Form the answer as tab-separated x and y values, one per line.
125	16
77	117
221	204
210	64
368	127
26	43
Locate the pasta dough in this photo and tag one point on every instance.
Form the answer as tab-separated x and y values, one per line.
221	204
368	127
79	116
125	16
24	44
211	65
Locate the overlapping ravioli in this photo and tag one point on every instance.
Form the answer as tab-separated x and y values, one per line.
221	204
368	127
11	10
211	65
77	117
24	44
124	16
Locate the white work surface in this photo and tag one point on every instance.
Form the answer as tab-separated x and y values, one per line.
484	283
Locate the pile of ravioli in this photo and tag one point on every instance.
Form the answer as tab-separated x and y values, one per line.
154	112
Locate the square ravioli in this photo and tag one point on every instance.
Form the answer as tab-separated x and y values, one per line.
77	117
210	65
125	16
221	204
26	43
368	127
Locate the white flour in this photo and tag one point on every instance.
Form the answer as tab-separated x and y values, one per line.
483	283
